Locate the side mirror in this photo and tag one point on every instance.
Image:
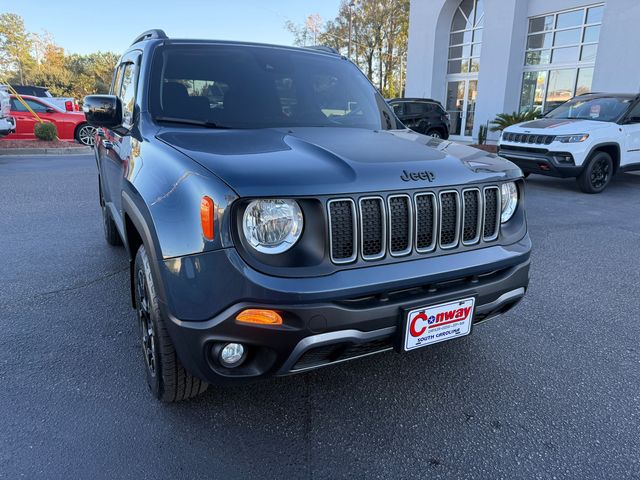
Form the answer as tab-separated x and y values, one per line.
103	111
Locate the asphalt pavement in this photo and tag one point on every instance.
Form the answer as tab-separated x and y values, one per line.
549	390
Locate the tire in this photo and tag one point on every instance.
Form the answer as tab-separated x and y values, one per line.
435	133
85	134
597	173
111	234
167	379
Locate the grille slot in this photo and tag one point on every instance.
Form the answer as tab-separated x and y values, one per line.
399	225
373	228
491	213
472	216
449	219
426	222
342	230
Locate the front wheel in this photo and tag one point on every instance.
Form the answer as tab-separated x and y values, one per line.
85	134
434	133
168	380
597	173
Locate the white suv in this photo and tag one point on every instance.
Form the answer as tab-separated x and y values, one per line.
7	123
590	137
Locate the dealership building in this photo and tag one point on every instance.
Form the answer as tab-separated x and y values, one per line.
484	57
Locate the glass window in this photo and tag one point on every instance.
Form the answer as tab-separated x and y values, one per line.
128	93
565	55
591	34
264	88
560	87
459	66
540	24
567	37
397	108
585	79
475	65
417	108
532	91
601	108
536	57
475	52
589	53
540	40
34	105
570	19
594	14
477	35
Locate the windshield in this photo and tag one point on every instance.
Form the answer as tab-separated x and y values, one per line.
603	109
260	87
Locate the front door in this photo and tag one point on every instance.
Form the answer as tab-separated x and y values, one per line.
631	132
461	106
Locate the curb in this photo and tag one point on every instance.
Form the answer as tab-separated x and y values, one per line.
19	152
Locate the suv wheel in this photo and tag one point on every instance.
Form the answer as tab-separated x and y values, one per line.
167	378
597	174
435	133
85	134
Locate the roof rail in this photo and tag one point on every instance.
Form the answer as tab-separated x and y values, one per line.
325	49
150	34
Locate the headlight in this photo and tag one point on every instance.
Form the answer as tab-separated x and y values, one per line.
509	196
272	226
580	137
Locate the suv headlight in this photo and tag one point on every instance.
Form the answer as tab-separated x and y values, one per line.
272	226
509	197
580	137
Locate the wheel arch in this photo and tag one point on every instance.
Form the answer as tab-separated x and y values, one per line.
611	148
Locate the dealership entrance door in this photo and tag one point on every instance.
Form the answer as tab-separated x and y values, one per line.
461	105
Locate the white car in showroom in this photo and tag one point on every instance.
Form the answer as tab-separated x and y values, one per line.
7	123
590	137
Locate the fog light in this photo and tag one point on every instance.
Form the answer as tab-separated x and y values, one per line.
232	355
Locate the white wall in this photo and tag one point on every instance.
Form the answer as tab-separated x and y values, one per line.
618	61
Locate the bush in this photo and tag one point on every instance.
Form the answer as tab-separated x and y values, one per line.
505	120
45	131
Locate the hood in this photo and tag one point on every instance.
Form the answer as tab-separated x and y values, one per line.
557	126
324	161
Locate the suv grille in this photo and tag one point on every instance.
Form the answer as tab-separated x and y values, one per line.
401	224
528	138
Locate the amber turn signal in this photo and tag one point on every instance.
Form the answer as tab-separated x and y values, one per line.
259	317
206	217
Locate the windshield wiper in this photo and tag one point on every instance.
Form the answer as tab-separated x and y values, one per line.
189	121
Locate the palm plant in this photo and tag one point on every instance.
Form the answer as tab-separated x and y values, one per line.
504	120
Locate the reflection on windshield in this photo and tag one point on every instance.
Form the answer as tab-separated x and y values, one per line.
603	109
242	86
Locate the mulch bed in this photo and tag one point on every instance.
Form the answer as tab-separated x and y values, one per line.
38	144
487	148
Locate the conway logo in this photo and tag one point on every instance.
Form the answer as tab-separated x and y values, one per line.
417	176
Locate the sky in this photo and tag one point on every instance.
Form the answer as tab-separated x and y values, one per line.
88	26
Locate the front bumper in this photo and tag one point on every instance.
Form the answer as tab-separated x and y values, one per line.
327	320
541	161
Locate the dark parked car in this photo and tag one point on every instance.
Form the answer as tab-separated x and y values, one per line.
286	220
68	104
422	115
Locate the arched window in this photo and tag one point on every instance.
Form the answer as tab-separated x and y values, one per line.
466	37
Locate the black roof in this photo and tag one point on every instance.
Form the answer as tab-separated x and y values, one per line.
630	96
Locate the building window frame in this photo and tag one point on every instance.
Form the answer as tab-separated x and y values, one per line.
547	52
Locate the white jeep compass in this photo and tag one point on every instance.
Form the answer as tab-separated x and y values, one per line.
590	137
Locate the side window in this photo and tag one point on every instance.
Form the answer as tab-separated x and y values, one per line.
128	93
117	77
37	107
634	114
416	108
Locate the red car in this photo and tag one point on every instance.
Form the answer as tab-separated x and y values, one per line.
71	125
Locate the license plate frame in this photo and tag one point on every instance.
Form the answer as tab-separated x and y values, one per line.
449	320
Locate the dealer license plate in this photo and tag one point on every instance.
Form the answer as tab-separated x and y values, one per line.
437	323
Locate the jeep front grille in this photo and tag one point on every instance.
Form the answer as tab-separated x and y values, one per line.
374	226
528	138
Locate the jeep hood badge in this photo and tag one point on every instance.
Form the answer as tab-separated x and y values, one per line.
416	176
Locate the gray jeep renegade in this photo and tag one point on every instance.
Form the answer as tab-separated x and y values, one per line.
278	217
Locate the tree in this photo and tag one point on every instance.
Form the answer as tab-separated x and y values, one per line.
379	39
15	48
504	120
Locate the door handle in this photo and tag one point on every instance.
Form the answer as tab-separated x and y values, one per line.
107	144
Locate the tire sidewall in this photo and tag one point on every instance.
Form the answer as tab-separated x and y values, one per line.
438	133
585	179
77	135
142	265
